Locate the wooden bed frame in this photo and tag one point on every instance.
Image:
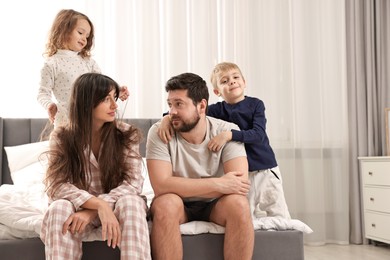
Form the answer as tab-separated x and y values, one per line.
278	245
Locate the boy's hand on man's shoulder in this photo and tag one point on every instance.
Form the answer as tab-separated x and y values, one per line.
218	141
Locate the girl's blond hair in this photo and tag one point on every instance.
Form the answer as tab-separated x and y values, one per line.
64	23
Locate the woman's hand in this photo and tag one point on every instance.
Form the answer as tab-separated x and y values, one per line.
110	225
77	222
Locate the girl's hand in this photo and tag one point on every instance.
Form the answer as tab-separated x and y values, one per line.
123	93
52	111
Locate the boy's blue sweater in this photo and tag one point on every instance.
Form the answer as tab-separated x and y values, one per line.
249	115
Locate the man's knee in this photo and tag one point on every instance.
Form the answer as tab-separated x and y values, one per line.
235	201
167	205
233	206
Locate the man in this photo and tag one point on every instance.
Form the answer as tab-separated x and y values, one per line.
193	183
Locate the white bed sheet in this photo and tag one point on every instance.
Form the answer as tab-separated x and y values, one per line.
22	208
23	204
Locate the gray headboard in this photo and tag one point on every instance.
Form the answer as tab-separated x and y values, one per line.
17	131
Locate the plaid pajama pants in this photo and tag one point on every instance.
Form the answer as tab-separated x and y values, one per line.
131	213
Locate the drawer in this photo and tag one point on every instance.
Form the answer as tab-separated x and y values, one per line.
376	173
377	226
377	198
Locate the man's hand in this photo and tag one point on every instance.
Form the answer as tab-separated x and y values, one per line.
233	183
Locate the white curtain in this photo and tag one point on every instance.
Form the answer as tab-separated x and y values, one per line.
291	52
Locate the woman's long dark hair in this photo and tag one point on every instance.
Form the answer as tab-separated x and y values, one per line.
67	159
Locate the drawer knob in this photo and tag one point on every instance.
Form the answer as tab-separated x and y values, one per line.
370	173
373	225
371	199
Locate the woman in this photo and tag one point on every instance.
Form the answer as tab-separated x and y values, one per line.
94	177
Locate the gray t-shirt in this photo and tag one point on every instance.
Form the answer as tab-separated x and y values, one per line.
194	160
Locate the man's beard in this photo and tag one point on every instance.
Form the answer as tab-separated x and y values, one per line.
188	126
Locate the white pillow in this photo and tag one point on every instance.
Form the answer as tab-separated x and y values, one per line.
30	175
21	156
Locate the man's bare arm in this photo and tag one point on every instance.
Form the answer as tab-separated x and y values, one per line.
235	180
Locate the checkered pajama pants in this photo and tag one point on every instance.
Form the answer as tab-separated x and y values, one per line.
131	213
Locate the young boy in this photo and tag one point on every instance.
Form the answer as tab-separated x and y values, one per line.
266	196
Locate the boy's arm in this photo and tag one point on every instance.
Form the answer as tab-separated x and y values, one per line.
258	125
218	141
258	130
165	130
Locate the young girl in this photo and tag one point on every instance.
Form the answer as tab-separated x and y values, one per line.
94	177
68	53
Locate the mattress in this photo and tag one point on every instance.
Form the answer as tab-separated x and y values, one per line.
200	240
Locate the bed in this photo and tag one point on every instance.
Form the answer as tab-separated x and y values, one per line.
22	205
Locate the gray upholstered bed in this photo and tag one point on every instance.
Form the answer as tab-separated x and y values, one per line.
278	245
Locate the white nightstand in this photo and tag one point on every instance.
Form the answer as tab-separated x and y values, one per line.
375	172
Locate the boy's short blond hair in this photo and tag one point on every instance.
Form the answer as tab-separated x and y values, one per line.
222	67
